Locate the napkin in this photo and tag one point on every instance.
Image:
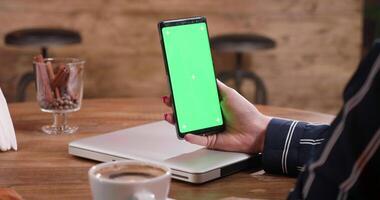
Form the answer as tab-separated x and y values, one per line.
7	131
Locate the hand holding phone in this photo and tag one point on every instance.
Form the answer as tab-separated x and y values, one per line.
245	125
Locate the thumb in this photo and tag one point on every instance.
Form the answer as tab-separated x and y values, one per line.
223	88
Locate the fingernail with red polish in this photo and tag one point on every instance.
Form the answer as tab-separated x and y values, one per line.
165	99
165	116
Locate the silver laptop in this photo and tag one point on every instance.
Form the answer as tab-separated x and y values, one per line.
157	142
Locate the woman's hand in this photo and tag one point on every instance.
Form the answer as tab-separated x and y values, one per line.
9	194
245	125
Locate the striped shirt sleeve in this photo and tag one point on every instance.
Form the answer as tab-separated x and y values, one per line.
290	144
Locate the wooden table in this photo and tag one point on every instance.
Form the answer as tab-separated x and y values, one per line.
42	168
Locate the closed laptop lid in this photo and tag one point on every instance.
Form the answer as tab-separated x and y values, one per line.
157	142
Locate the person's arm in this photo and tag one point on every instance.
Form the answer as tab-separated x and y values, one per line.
348	165
290	144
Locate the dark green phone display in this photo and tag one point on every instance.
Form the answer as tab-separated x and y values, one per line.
191	76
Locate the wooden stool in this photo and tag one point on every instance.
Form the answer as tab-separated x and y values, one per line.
240	44
42	38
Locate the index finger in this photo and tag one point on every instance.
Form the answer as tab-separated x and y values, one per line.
167	100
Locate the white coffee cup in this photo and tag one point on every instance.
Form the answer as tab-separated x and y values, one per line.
129	180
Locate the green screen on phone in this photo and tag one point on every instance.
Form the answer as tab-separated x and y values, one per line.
192	77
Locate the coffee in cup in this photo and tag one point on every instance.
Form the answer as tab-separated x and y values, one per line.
129	180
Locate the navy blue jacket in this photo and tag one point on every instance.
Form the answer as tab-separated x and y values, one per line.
337	161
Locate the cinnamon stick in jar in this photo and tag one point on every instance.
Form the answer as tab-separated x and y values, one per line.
61	78
51	77
43	79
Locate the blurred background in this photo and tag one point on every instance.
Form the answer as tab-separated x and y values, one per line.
318	44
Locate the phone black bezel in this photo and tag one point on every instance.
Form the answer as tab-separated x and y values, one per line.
176	22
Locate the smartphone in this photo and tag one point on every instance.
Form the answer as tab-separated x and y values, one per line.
190	70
